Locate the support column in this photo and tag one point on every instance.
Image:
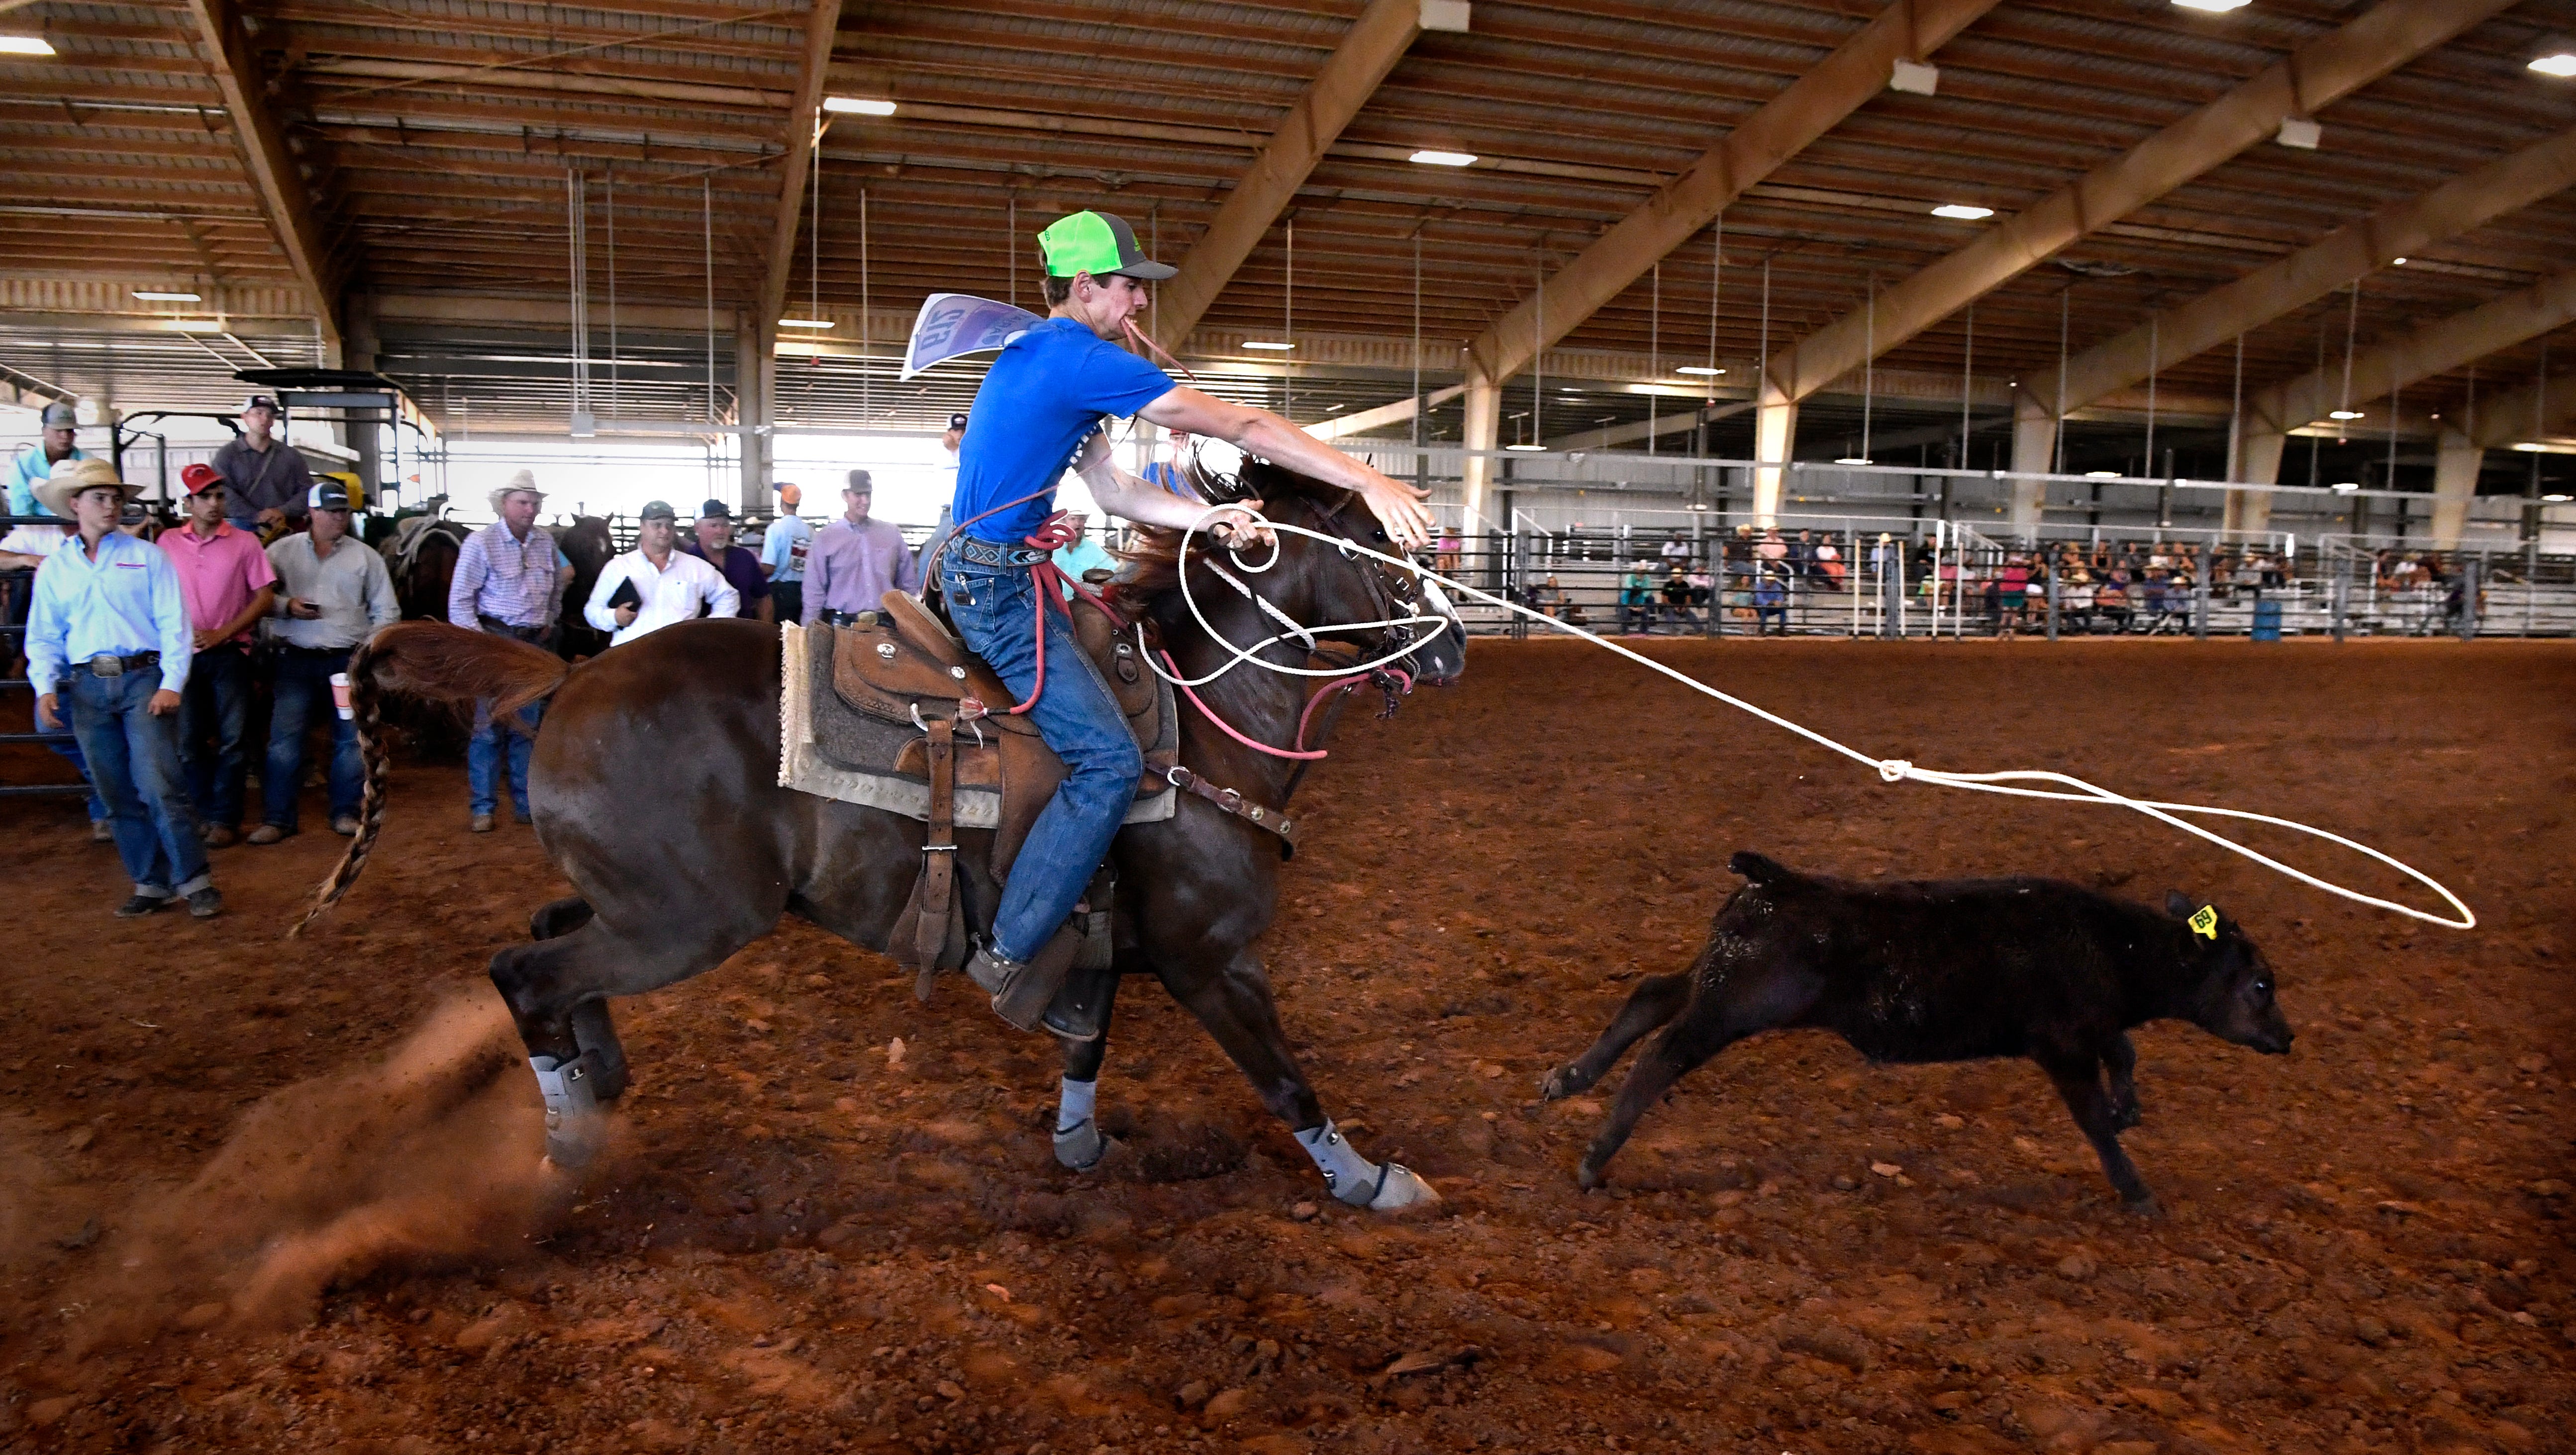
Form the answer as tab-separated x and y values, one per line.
1483	432
1775	433
2455	484
358	351
752	395
2258	462
2034	452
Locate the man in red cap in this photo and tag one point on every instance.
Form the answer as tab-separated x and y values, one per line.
228	584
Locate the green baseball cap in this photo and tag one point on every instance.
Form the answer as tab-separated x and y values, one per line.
1098	243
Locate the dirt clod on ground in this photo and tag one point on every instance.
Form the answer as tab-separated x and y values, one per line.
264	1195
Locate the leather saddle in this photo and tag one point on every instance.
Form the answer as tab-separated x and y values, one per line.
911	709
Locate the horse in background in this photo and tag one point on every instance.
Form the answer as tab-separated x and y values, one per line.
589	546
421	557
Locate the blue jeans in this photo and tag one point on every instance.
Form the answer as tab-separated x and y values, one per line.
483	752
134	759
72	754
304	693
995	610
214	720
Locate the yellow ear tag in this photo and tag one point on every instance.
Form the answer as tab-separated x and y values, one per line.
2205	921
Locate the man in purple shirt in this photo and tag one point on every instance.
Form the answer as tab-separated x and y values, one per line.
740	565
855	561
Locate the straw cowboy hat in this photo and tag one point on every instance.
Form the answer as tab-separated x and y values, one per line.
524	480
71	477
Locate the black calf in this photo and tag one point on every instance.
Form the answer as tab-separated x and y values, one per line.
1943	970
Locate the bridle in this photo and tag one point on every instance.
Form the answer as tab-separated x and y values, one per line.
1399	617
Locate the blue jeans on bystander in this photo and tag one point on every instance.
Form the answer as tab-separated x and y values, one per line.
134	759
484	751
995	609
304	694
214	724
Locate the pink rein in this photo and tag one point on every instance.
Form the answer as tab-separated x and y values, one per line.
1343	684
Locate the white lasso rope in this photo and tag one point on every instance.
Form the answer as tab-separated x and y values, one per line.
1890	770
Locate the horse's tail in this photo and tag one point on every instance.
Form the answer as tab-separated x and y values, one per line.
434	660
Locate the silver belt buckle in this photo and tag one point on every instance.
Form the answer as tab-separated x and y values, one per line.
107	664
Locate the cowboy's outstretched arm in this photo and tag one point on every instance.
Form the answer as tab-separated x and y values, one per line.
1129	498
1398	506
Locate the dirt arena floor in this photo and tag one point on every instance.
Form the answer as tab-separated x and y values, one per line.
259	1195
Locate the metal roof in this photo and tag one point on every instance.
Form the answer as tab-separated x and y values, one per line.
435	137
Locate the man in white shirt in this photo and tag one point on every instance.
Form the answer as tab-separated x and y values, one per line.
663	585
333	594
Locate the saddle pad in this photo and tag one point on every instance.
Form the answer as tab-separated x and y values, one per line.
806	693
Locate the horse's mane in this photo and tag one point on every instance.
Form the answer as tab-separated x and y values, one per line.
1150	566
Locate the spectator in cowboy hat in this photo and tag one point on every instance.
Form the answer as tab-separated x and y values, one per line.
713	544
266	480
36	463
782	556
510	579
108	650
228	584
337	593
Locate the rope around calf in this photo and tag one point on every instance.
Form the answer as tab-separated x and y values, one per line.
1890	770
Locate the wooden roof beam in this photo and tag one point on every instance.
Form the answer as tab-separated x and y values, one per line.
2350	253
282	193
803	139
1840	84
2306	81
1369	50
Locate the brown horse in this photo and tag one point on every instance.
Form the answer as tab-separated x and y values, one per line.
589	546
678	870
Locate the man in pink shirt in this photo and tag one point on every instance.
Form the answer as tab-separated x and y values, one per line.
225	578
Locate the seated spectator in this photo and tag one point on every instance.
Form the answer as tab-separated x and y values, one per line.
1703	588
1770	604
2075	599
1829	563
1636	598
2111	600
1677	596
1802	555
1549	598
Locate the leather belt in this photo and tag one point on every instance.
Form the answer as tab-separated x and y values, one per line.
107	664
847	618
994	553
1232	801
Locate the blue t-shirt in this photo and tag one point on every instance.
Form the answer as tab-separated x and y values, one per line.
1047	391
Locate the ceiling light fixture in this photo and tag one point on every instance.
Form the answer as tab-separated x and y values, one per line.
1443	159
2345	487
2553	500
1701	370
2556	63
2214	7
1963	212
1525	449
1851	460
1263	343
2101	474
2343	414
860	105
37	45
153	295
2397	262
195	325
2529	447
804	323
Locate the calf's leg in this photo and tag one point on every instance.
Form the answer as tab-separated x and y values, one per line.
2122	1059
1739	1002
2079	1080
1654	1002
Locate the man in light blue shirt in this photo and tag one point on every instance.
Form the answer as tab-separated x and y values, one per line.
782	555
35	464
108	647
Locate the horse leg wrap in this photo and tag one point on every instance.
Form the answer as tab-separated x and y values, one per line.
1098	951
1356	1180
571	1092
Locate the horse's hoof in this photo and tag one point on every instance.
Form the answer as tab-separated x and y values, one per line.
2144	1205
1080	1149
1558	1085
1587	1178
1402	1189
2126	1117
